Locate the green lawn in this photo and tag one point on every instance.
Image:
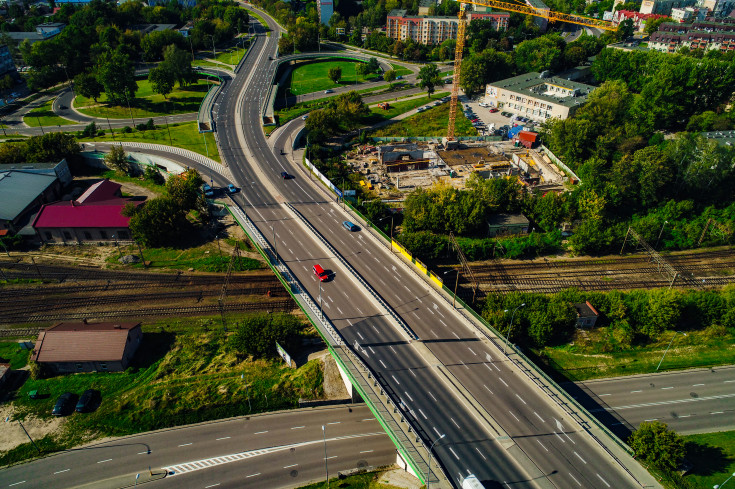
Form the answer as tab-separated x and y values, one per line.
713	457
44	116
11	353
183	135
146	103
398	107
313	77
207	64
588	359
401	70
432	123
231	56
204	258
183	372
368	480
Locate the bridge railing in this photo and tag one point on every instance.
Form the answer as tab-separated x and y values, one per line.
387	410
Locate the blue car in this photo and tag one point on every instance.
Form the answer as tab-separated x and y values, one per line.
231	188
350	226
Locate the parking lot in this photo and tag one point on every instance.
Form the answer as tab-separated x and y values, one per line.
487	117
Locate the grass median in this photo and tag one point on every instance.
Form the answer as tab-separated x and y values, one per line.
45	116
183	135
184	372
431	123
208	257
314	77
146	103
712	456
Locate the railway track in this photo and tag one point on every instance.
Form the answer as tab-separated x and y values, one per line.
28	316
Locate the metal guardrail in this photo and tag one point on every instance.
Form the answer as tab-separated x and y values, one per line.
406	329
361	375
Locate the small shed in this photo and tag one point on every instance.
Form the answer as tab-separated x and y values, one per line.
507	224
71	347
586	314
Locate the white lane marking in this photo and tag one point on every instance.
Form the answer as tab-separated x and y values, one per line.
511	413
454	453
718	412
60	471
437	431
361	336
366	451
557	435
603	480
340	310
455	423
602	395
223	438
488	389
697	385
211	485
575	480
634	392
478	451
432	396
685	415
408	395
383	364
330	299
335	422
289	466
252	475
393	349
394	378
434	333
371	350
422	414
501	379
542	445
673	401
445	324
664	388
298	427
519	397
539	417
470	349
579	457
103	461
259	432
333	456
652	419
464	365
728	381
455	335
143	453
16	483
412	372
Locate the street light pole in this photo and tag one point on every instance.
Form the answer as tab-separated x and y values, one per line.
510	327
660	233
428	468
718	486
456	283
667	348
326	467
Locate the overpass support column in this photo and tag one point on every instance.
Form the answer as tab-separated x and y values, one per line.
354	395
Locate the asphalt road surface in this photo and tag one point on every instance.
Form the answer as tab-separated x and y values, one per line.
409	370
692	401
269	450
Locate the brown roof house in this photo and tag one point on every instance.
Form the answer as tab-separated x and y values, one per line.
586	314
87	347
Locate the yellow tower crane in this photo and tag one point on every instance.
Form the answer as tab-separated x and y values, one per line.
512	7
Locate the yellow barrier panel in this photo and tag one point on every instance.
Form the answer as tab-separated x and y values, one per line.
436	280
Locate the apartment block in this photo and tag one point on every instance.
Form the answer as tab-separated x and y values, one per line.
434	30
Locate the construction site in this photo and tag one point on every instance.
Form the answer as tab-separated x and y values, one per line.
392	171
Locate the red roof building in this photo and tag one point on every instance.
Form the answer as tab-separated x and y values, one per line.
96	216
527	138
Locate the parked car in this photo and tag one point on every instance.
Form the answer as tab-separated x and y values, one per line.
303	118
231	188
208	192
89	401
493	109
399	77
350	226
64	404
475	120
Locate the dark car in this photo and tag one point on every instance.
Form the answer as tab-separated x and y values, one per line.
286	175
64	404
89	401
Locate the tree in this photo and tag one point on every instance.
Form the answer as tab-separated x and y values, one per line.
335	74
657	445
118	160
543	53
362	69
285	46
429	77
184	188
480	69
373	66
652	25
116	73
158	222
87	85
178	62
257	335
389	76
162	79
